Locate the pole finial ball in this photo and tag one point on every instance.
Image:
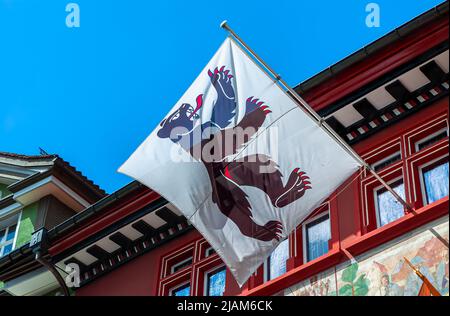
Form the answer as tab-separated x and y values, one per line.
223	24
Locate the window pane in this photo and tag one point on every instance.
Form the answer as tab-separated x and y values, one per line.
387	161
389	209
11	232
184	290
210	251
2	234
277	260
436	182
433	140
7	249
216	283
317	236
181	265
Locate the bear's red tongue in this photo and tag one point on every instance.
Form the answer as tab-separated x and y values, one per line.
199	105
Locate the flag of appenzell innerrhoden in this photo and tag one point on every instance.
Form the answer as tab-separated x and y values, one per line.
239	158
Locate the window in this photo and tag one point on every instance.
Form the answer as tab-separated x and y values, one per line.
431	139
7	237
175	262
435	181
209	251
215	282
3	191
194	261
388	208
317	234
387	161
181	265
184	290
276	263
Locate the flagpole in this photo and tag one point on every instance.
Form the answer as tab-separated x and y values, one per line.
319	120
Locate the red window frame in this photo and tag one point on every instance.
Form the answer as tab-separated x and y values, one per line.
174	258
296	246
369	185
304	227
423	131
433	164
408	168
194	274
437	152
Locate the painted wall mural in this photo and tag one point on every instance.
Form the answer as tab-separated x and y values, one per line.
383	271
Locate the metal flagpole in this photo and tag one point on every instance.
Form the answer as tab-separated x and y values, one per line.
319	120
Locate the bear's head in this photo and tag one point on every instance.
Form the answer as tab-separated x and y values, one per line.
180	122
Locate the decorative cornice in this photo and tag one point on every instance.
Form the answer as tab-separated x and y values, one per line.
396	111
122	256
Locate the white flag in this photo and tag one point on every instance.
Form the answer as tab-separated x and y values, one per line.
240	160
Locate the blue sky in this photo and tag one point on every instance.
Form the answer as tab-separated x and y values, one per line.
92	94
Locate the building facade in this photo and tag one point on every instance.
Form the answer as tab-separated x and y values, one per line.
389	101
38	192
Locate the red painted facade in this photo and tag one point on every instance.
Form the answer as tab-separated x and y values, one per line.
352	211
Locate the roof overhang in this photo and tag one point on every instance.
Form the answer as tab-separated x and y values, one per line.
9	209
13	173
20	171
392	97
376	59
138	233
37	282
50	185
